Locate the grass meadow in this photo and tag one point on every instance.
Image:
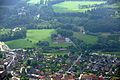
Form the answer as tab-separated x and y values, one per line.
33	36
73	6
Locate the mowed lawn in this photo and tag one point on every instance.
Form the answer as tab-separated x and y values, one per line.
88	39
39	35
20	43
73	6
33	36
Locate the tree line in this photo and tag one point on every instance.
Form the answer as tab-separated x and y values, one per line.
12	34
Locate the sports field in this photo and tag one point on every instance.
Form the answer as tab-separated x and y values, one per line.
75	6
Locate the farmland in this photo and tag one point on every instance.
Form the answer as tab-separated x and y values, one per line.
33	36
75	6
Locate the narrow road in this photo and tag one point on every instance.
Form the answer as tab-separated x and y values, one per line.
75	62
79	57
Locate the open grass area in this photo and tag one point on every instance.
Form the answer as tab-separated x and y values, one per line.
75	6
39	35
36	1
88	39
20	43
33	36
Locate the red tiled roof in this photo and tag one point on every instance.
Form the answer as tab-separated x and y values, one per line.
41	77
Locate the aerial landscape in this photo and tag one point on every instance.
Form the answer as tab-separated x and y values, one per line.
59	39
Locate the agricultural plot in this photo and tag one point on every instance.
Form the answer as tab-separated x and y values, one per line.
88	39
76	6
33	36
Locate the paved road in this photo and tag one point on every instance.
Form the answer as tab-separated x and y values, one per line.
79	57
75	62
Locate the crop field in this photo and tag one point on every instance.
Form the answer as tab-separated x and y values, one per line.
89	39
33	36
75	6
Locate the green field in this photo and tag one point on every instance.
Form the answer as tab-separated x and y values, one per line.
89	39
36	1
39	35
73	6
33	36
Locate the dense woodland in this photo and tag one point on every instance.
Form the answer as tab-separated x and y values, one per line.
12	34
